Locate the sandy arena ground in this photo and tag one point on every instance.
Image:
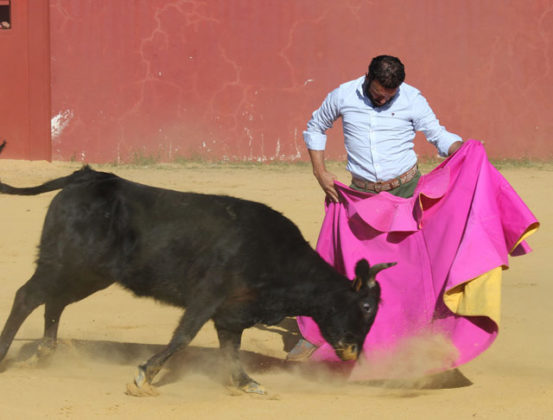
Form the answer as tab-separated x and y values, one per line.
104	337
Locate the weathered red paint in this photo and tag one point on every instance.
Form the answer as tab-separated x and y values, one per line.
238	79
25	75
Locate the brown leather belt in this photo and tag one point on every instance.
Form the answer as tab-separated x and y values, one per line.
386	185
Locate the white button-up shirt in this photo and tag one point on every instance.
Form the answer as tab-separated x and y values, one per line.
378	140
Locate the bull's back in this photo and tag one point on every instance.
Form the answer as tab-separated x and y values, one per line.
164	243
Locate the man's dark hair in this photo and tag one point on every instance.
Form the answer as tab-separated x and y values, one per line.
387	70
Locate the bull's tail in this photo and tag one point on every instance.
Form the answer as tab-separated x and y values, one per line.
55	184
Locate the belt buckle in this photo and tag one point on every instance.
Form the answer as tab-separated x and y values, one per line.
378	186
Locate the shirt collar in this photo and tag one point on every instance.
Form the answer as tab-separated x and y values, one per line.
362	95
360	86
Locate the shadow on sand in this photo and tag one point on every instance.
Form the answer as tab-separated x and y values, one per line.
206	361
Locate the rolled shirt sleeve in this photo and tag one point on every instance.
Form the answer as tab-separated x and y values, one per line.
426	121
321	120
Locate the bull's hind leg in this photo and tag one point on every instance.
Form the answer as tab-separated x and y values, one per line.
54	289
52	313
28	298
69	288
191	322
48	343
229	342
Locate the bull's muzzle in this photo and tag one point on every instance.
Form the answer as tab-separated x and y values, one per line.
347	351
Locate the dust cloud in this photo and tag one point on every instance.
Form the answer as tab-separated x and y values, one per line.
411	363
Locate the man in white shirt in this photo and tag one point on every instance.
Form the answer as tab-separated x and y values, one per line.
380	115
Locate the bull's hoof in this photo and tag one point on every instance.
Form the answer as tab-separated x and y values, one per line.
140	377
140	387
39	358
45	350
145	390
253	388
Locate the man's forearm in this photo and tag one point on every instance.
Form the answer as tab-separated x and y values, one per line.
317	161
454	147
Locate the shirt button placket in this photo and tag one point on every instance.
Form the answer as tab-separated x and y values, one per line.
372	140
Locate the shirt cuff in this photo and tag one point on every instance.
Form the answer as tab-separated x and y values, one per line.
445	144
314	141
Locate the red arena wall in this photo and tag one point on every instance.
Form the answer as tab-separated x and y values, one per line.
25	74
238	79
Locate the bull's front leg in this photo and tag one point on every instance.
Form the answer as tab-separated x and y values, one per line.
188	327
229	342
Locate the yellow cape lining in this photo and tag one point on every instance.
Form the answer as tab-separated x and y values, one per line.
481	296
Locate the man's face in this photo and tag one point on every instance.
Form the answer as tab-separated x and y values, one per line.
379	95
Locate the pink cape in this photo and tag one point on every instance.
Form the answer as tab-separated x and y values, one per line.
451	240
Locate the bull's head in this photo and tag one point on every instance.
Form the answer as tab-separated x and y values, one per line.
349	322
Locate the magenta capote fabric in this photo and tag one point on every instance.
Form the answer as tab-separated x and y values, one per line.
462	221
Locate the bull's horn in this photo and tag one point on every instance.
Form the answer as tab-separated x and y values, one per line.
374	270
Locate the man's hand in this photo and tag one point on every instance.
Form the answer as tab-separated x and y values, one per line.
325	178
326	181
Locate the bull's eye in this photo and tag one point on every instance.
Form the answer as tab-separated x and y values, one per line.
367	307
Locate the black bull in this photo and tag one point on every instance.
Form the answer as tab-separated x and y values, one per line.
233	261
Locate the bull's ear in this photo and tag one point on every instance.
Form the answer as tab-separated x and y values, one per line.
362	273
